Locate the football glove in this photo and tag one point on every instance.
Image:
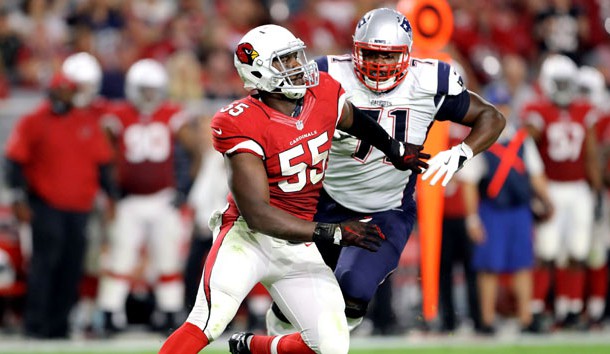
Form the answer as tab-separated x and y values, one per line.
405	156
447	163
357	233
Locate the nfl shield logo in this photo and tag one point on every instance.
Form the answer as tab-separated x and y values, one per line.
299	124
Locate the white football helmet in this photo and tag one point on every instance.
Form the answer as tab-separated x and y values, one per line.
382	30
592	85
83	69
558	79
266	45
146	85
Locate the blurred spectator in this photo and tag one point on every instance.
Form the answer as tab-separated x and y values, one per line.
320	34
513	82
498	187
237	17
56	156
562	28
44	34
509	30
10	46
563	128
220	81
145	130
456	247
184	72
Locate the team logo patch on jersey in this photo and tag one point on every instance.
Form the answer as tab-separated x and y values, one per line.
246	53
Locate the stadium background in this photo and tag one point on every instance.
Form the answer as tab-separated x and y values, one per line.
195	38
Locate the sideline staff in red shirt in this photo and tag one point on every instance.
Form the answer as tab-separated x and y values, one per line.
57	158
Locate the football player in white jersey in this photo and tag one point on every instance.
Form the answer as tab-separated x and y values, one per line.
405	95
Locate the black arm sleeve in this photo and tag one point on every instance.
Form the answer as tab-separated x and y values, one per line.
108	183
454	108
367	129
14	177
182	168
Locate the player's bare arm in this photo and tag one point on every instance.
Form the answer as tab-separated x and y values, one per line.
594	173
250	187
486	122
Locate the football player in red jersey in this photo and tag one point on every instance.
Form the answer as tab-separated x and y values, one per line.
276	143
145	129
563	127
592	86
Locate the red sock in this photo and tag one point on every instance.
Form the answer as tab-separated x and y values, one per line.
289	344
563	287
188	339
261	344
293	344
542	280
597	280
576	280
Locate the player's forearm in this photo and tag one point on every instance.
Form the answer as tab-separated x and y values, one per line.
269	220
470	196
540	186
107	181
485	130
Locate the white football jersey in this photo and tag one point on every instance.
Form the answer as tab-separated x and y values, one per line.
355	168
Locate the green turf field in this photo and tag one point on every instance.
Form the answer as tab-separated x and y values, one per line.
509	349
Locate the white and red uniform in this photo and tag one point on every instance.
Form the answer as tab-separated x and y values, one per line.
562	148
145	215
294	151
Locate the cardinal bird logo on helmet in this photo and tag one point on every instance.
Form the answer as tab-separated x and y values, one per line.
246	53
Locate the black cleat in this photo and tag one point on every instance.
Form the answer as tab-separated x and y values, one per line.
486	330
238	343
536	326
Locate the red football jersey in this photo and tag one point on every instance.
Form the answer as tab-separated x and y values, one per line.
294	149
146	146
561	144
61	155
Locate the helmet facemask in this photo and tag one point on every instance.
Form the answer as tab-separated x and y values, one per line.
558	75
86	92
380	75
293	73
146	85
564	92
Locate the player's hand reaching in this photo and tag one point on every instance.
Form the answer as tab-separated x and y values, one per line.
357	233
447	163
405	156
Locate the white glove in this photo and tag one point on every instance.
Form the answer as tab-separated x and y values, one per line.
447	163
